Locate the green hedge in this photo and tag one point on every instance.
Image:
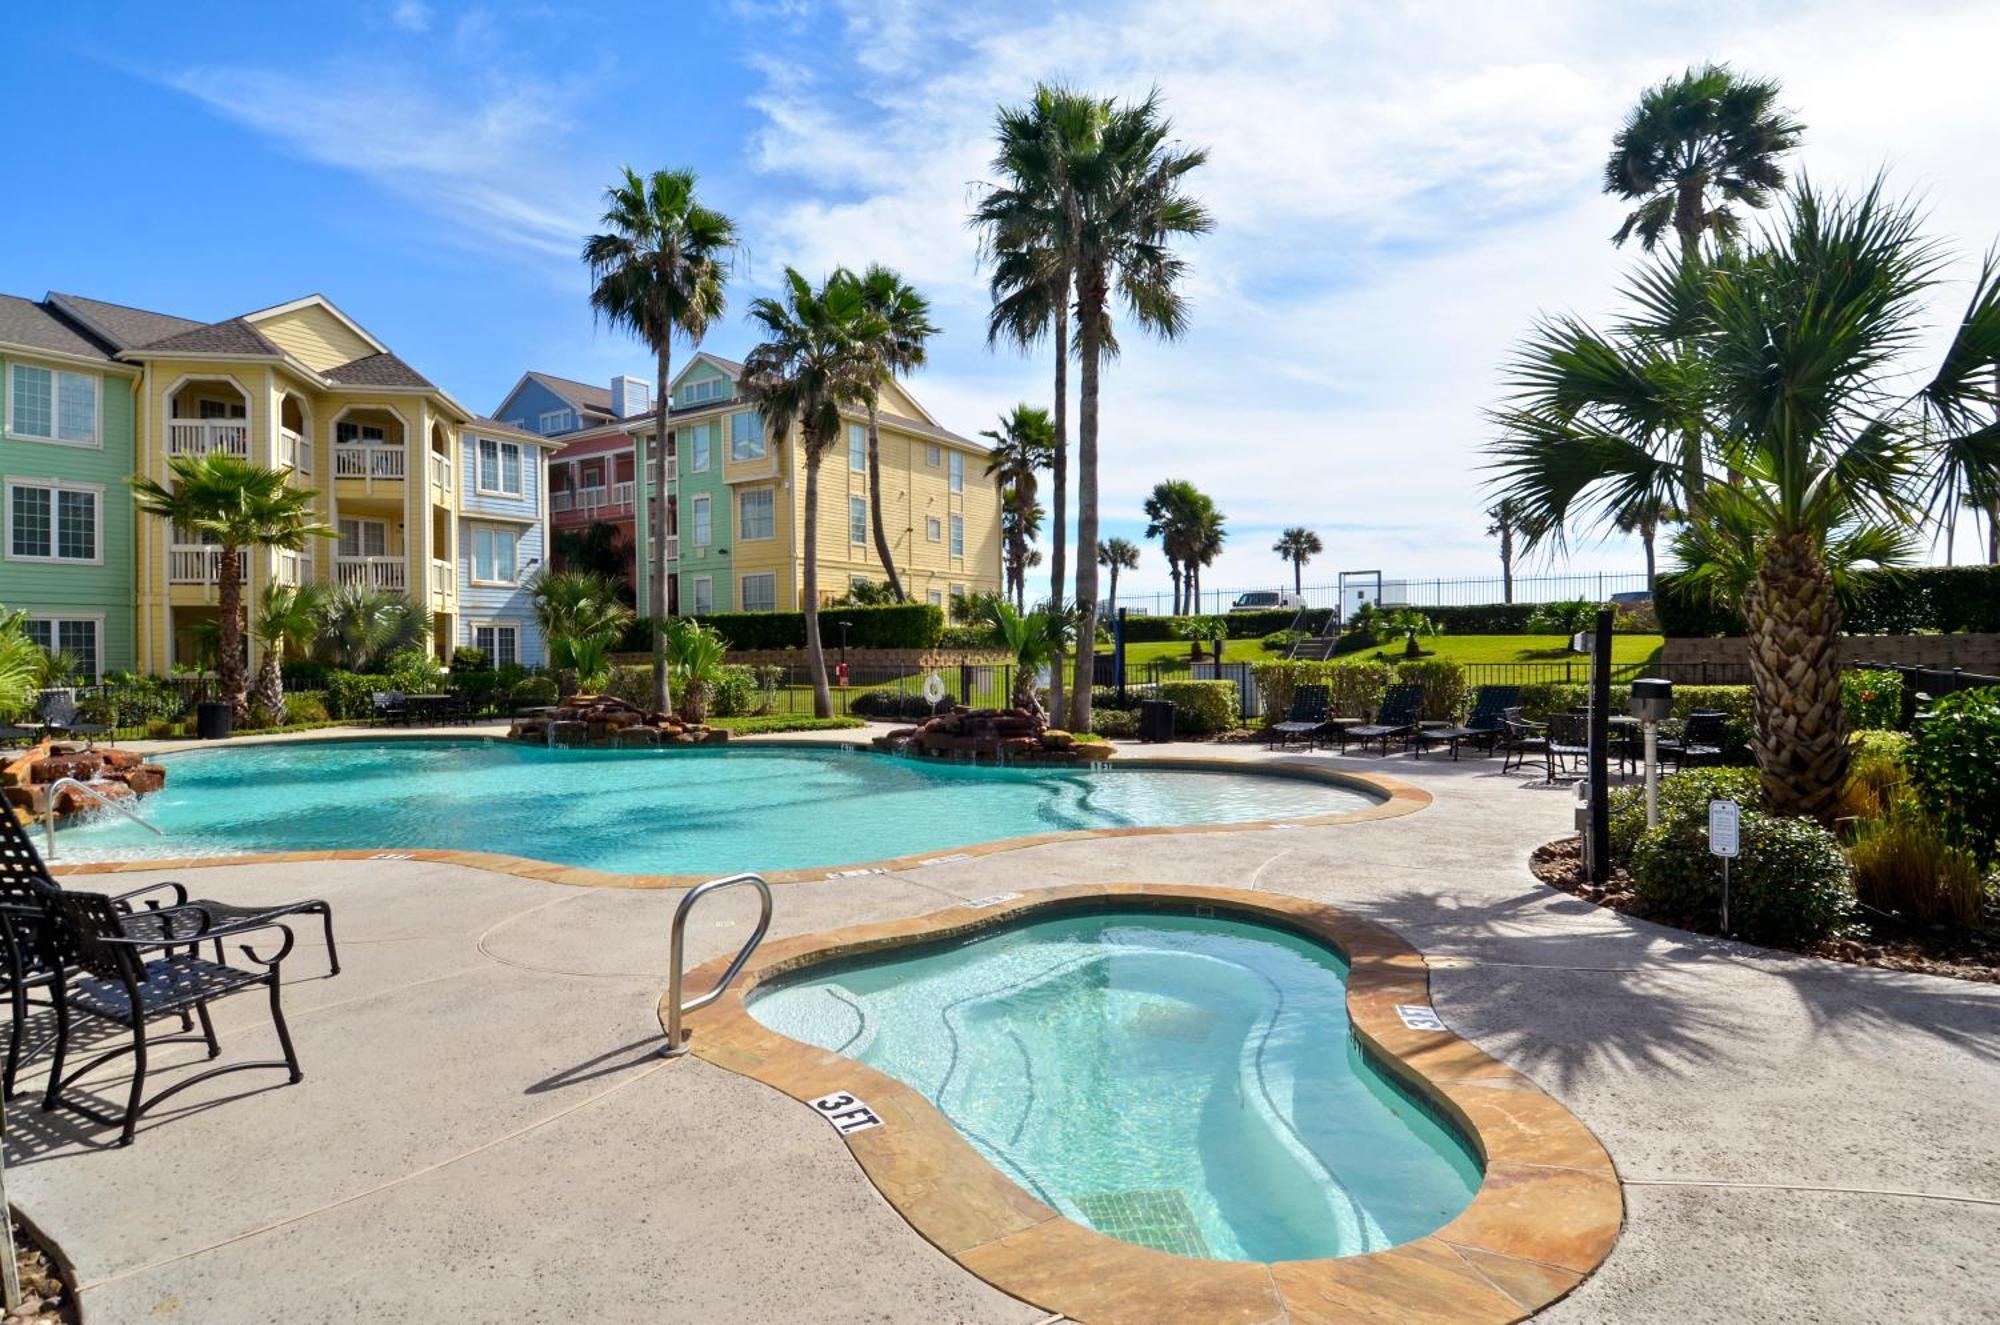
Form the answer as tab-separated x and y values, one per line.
1242	625
1442	685
1950	757
1930	599
1354	689
1201	708
896	626
352	694
1791	884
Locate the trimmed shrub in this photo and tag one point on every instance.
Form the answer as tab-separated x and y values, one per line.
1240	625
1201	708
534	692
897	626
303	706
1278	681
478	687
1280	641
1941	599
634	685
1953	768
352	694
1442	683
1684	799
889	704
737	693
1791	884
1486	619
1354	689
465	658
1120	723
415	672
965	637
1873	698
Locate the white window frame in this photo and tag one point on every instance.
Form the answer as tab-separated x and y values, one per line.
957	479
763	442
958	537
361	525
704	391
935	597
558	420
701	519
933	529
365	434
933	455
54	485
94	442
743	591
700	446
492	651
857	530
472	567
57	620
703	586
857	448
743	525
500	450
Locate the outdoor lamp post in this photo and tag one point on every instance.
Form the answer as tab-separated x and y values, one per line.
843	652
1651	701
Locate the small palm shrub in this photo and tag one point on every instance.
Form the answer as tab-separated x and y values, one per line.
1954	770
1904	865
1791	884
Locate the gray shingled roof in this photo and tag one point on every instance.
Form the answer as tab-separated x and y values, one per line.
582	395
234	336
122	327
383	369
29	322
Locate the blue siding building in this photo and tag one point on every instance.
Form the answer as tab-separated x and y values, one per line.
552	406
503	543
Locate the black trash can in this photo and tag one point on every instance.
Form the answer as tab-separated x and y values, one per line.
1156	721
214	719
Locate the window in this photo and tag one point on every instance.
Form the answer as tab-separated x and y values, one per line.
364	538
47	405
557	420
857	519
698	393
76	636
859	582
958	471
935	598
958	535
702	523
756	515
51	522
958	594
501	644
933	455
493	555
760	593
934	529
704	594
697	447
746	436
220	409
499	467
857	448
359	434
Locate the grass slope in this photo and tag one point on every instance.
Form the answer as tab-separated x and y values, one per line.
1458	648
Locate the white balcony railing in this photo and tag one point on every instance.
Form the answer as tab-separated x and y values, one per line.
621	494
201	436
444	579
562	501
388	573
383	462
441	471
594	500
200	563
295	451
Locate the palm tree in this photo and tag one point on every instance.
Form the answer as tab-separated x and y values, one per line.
1205	545
288	619
360	628
1170	516
1800	344
1505	517
20	662
659	271
1020	525
1023	445
1298	546
581	616
906	326
237	505
1033	640
1116	554
814	360
1709	131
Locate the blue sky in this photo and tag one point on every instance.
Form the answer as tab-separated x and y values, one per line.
1399	189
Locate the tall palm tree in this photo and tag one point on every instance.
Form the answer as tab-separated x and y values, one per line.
288	619
1116	554
1709	132
1020	525
1298	546
658	270
1802	344
1023	445
906	327
1205	544
1184	519
239	506
815	359
1504	523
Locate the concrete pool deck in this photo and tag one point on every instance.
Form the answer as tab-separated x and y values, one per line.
485	1133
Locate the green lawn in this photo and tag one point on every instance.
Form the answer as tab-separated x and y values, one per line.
1459	648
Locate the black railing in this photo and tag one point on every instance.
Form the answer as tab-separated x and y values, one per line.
1922	683
1577	670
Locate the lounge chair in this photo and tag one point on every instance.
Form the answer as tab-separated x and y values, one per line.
1306	718
59	717
390	706
1397	717
1481	726
1700	739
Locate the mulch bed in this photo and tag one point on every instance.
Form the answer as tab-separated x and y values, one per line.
1962	956
45	1298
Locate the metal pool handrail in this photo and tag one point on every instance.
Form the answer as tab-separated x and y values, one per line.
49	822
677	1040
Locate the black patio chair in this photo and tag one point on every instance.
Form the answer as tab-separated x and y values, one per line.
1700	739
390	706
59	717
1520	738
120	984
1567	748
1305	719
1397	717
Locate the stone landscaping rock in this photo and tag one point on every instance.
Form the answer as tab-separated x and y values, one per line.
113	774
1010	735
606	721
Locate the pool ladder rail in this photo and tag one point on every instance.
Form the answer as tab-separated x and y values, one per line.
49	820
677	1039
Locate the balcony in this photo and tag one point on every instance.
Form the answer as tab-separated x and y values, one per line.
594	501
295	451
444	580
441	472
368	462
385	573
206	436
200	563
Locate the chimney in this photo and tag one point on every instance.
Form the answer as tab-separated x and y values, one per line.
630	396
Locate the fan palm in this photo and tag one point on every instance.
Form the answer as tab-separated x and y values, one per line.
1019	527
20	664
581	617
1804	335
1205	545
238	506
905	327
1178	514
1298	546
1116	554
697	653
814	360
360	627
659	271
1022	446
288	620
1711	131
1033	640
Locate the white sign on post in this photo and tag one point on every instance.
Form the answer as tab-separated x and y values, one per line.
1723	817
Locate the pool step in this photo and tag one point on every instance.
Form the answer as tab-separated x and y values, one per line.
1157	1217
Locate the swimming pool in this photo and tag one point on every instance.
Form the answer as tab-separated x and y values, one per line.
687	811
1184	1082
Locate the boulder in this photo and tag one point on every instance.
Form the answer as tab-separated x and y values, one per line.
119	759
71	799
145	779
27	799
82	767
1056	739
715	736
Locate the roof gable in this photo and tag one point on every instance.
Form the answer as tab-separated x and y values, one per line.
316	333
234	336
382	369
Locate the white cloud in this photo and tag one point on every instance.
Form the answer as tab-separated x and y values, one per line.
411	15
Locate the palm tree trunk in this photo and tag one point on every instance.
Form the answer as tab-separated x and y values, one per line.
1111	607
1646	533
1689	218
229	634
1174	570
1059	473
656	597
271	683
1506	562
815	655
875	501
1091	292
1799	732
1298	576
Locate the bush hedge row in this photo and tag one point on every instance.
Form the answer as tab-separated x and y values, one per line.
895	626
1201	708
1942	599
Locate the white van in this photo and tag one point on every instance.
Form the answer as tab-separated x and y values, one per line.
1268	600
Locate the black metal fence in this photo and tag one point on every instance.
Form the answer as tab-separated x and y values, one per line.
1578	670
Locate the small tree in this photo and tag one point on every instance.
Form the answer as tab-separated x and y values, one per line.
1034	640
1409	623
288	618
1298	546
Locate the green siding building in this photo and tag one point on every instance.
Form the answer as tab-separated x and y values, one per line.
66	512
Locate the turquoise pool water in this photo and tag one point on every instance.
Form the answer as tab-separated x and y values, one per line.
1188	1083
653	812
